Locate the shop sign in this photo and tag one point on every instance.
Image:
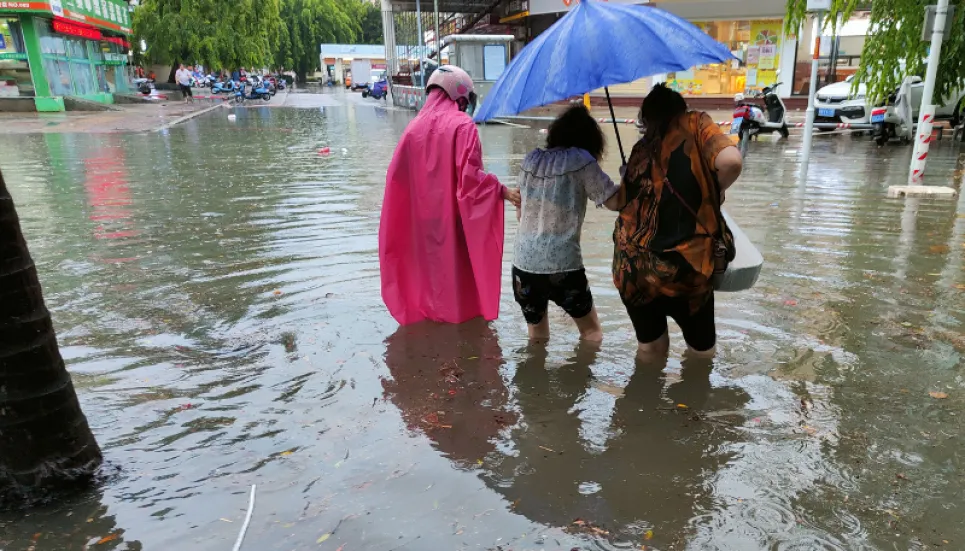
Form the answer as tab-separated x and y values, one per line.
13	55
113	58
107	14
24	6
537	7
119	41
66	27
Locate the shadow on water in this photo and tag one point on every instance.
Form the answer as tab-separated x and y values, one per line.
215	289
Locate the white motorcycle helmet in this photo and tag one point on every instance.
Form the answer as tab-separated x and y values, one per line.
738	98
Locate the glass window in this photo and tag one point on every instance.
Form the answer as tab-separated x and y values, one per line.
77	48
83	78
58	75
756	45
14	70
494	56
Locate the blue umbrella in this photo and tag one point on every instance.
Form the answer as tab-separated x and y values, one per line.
595	45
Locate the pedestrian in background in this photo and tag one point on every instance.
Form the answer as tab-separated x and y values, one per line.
441	231
554	185
183	78
670	219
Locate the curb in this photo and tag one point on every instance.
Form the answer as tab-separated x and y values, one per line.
189	116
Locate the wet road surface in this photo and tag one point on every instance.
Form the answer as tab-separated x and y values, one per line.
216	294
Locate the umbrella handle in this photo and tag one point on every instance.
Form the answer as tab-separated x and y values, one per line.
615	128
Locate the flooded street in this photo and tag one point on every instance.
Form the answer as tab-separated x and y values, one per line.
215	288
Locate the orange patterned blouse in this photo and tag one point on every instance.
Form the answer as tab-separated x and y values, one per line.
659	248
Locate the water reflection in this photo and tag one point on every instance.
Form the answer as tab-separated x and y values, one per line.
446	382
642	485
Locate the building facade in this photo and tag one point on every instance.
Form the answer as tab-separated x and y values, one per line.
752	29
59	48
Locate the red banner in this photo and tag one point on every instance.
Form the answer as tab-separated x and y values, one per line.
67	27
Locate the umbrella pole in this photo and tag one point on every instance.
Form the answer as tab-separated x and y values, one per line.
616	129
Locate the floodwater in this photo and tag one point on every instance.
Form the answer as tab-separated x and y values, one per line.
216	293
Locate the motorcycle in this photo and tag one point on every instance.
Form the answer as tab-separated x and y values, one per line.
750	120
380	90
258	91
226	87
886	119
144	85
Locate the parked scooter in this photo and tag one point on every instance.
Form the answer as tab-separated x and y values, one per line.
144	85
257	91
380	90
226	87
750	120
893	119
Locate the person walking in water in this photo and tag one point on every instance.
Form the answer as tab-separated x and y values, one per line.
183	76
554	185
663	256
441	231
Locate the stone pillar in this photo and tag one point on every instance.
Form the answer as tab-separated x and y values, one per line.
339	75
388	34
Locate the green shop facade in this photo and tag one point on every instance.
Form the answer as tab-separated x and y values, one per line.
62	48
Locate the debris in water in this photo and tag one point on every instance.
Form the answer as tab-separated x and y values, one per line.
110	537
547	449
648	535
324	537
325	151
938	395
580	526
277	292
791	302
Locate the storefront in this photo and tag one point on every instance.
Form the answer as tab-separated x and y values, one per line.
75	48
752	29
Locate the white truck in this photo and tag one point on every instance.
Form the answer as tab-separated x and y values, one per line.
361	71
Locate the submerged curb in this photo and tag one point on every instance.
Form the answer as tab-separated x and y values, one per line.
189	116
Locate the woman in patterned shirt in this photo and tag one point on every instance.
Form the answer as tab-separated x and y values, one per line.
669	210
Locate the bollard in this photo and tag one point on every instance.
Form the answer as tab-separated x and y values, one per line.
923	139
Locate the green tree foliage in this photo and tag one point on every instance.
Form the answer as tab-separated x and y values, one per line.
371	24
216	33
894	48
306	24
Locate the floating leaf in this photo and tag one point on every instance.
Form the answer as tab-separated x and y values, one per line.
938	249
286	453
108	538
648	535
277	292
938	395
683	406
323	538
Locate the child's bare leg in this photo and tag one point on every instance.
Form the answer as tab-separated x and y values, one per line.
540	331
589	326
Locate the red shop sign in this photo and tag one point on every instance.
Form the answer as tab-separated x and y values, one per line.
66	27
118	41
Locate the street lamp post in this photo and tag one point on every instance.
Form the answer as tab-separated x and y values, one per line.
820	7
926	114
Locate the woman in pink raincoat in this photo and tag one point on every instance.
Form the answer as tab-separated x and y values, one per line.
441	234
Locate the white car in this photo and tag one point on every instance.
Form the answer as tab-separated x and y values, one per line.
838	103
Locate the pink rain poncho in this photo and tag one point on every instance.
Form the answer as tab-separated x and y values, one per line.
441	234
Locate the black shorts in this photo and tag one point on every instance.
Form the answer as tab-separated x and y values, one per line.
185	91
569	290
650	321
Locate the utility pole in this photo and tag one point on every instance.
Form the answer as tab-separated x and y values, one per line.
820	7
926	114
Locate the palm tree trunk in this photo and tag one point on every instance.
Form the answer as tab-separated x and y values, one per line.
44	438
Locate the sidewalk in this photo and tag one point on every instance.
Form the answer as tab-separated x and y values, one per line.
132	118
